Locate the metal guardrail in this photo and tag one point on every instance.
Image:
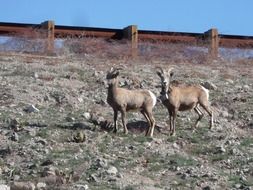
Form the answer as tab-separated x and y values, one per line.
210	38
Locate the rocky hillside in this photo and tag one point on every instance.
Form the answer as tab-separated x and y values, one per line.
56	127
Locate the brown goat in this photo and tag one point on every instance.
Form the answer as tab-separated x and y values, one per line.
183	98
124	100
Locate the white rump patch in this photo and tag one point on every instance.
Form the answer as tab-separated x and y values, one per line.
153	97
206	90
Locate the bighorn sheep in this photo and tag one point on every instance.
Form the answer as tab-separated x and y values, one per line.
124	100
182	98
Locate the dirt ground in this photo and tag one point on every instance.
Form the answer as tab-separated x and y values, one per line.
56	126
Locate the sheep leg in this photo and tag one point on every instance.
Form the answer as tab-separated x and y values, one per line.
152	123
149	123
115	121
123	115
174	115
200	114
210	113
170	120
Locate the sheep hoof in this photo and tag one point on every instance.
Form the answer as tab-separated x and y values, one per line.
193	128
193	131
147	133
173	134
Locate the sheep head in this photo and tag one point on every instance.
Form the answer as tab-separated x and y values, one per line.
165	77
112	75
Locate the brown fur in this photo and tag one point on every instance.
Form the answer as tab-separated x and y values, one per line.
183	98
124	100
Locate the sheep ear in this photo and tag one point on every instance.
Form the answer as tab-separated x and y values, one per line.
111	69
114	70
115	74
171	74
119	69
159	71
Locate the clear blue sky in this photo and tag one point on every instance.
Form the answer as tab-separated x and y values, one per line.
228	16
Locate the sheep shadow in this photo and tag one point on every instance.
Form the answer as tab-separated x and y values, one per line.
138	127
75	126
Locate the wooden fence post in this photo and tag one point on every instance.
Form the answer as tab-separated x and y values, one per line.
212	38
49	27
131	33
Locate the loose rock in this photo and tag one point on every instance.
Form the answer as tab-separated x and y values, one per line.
31	109
22	186
112	171
209	85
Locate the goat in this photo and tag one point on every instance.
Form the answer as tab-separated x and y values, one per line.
182	98
124	100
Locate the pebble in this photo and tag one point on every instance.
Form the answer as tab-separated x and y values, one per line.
31	109
230	81
206	188
4	187
14	136
210	86
41	186
176	146
81	187
87	115
94	178
220	149
246	87
238	186
101	163
112	170
22	186
70	119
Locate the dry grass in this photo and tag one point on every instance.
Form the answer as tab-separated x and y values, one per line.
71	83
33	42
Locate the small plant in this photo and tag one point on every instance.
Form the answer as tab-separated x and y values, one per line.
179	160
142	139
172	139
236	179
246	142
219	157
130	187
103	146
43	133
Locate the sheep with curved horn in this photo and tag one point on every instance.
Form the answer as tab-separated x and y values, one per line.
183	98
124	100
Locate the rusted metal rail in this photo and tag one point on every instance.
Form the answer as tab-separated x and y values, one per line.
68	31
211	38
170	36
7	29
234	41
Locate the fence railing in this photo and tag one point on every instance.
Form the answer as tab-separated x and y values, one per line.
211	38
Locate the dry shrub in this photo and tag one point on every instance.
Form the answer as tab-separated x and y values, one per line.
234	54
101	48
245	61
29	41
171	52
33	41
